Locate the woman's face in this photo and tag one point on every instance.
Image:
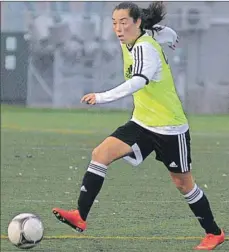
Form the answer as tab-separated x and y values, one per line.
123	25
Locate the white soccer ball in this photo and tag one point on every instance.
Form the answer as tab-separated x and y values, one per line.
25	230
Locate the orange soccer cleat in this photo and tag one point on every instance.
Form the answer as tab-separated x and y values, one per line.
211	241
71	218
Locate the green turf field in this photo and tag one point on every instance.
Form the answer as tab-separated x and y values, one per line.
44	154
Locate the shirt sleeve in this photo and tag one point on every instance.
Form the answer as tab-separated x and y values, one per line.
166	35
125	89
146	61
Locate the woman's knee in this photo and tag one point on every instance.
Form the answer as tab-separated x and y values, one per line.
97	154
180	185
183	182
102	154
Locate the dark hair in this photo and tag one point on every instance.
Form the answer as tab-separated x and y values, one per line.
150	16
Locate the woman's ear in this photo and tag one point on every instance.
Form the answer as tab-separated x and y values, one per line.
139	21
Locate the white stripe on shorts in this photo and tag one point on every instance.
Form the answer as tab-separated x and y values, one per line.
183	152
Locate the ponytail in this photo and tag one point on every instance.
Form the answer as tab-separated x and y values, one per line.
151	16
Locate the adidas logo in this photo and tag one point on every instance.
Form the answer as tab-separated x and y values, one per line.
83	189
129	72
173	164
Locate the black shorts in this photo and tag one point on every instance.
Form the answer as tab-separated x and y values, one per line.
173	150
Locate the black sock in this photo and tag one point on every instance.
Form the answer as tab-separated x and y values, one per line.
91	185
200	206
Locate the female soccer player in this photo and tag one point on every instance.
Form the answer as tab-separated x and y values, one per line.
158	122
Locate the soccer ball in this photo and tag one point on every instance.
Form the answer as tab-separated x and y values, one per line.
25	230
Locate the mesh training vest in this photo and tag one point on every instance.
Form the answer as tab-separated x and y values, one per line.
157	104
